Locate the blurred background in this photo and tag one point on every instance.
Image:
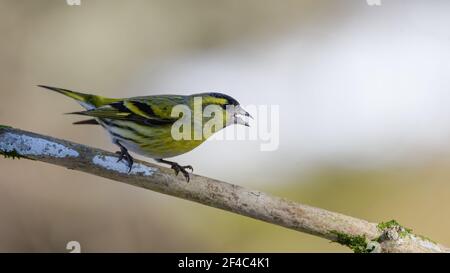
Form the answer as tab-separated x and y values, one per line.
363	93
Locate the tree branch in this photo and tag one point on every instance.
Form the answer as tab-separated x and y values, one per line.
359	235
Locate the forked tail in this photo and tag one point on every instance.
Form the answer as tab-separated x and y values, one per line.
88	101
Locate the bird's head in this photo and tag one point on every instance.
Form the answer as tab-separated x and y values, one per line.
232	111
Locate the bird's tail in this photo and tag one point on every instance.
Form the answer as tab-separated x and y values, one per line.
88	101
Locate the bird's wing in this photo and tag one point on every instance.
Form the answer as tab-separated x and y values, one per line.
154	110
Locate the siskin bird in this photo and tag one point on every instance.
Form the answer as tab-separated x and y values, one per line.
143	125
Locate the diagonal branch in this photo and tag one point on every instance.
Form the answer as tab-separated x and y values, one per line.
359	235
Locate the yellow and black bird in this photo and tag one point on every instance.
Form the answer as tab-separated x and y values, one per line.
144	124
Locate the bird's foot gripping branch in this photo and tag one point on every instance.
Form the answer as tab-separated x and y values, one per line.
359	235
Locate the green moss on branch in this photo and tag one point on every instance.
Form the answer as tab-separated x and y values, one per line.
401	230
393	224
356	243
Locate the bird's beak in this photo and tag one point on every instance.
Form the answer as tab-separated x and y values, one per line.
238	112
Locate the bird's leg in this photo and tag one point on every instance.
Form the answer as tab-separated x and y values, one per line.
178	168
123	154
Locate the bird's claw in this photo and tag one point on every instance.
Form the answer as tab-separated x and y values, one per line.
177	168
123	154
